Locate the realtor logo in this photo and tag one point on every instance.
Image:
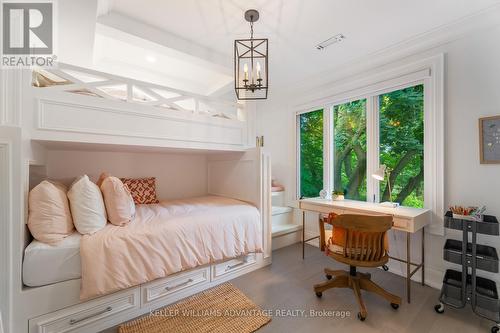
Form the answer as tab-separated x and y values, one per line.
28	33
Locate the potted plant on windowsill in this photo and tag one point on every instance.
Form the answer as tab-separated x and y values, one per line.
337	195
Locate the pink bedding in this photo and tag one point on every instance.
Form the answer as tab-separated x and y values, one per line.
167	238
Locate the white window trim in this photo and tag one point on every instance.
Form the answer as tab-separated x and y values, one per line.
430	73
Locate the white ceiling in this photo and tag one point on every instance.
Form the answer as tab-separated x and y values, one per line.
294	27
120	53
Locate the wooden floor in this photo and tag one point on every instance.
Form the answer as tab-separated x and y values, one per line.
287	285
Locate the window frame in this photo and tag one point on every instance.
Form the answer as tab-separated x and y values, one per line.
428	72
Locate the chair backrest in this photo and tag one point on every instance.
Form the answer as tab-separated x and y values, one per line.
364	235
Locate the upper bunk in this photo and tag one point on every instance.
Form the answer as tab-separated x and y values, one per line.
78	105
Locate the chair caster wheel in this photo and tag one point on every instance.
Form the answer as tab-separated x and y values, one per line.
495	329
385	268
395	306
328	276
361	317
319	294
440	309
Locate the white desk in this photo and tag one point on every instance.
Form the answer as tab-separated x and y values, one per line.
406	219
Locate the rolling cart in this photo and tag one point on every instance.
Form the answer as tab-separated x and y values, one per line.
465	287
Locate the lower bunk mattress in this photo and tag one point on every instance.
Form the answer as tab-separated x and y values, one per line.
163	239
47	264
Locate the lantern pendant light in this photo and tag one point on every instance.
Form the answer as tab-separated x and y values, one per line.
251	64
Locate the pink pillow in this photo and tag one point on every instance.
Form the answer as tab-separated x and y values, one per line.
103	176
49	218
118	201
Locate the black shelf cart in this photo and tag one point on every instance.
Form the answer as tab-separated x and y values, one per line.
465	287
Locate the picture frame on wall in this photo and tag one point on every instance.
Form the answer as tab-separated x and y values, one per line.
489	140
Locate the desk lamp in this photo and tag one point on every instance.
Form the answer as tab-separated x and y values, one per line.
380	175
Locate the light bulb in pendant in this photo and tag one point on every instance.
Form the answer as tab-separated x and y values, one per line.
245	70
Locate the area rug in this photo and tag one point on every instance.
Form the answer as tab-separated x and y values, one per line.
221	309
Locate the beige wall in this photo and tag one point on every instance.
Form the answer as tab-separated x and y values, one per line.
177	175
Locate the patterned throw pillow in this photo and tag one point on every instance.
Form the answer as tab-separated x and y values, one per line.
143	190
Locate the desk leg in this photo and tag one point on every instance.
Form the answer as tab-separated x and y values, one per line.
408	260
423	256
303	233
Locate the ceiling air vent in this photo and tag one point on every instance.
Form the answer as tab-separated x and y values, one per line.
332	40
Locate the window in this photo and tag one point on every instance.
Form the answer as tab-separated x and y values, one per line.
349	160
401	118
386	128
403	129
311	153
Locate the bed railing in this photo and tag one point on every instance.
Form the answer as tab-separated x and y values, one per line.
82	81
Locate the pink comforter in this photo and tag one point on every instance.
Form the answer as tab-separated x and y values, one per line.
167	238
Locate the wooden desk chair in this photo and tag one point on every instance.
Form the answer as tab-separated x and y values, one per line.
361	244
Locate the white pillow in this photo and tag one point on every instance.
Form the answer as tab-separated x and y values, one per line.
87	206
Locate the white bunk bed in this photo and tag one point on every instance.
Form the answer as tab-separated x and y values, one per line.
83	110
76	104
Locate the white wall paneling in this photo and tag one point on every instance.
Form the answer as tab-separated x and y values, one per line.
10	96
80	118
5	221
10	211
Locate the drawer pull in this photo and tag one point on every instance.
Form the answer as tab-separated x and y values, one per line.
230	267
168	288
76	321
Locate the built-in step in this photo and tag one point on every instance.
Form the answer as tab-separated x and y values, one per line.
284	231
278	198
277	210
282	221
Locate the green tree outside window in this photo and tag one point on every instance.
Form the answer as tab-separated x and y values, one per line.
349	161
401	133
311	153
402	145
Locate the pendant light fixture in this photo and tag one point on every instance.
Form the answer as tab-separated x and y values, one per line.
251	64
